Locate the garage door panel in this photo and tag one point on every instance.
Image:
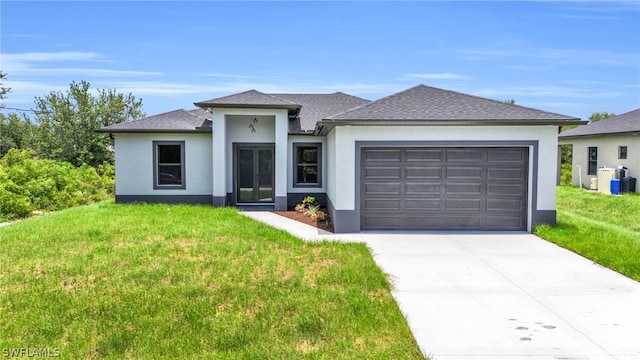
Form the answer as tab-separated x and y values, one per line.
495	173
382	204
382	222
464	189
444	188
422	204
463	204
382	188
383	173
464	172
504	221
390	155
422	189
464	155
423	155
506	155
505	189
503	204
423	221
423	172
461	221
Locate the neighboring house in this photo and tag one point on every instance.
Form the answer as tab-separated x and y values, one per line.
424	158
611	142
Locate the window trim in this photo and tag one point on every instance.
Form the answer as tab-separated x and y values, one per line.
589	161
296	146
620	153
156	185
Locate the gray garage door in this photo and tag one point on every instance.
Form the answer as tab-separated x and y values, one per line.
443	188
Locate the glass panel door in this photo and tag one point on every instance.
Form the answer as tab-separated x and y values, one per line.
245	176
255	174
265	175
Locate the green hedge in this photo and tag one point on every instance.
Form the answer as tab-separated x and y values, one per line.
30	184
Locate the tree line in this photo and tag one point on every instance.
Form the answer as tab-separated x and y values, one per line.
61	125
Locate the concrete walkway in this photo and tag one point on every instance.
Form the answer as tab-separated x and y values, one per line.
500	295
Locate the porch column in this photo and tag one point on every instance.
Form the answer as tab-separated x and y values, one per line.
219	158
281	138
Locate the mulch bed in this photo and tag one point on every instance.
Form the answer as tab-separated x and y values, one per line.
325	224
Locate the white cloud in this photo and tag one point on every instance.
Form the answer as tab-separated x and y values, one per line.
29	57
558	56
160	88
440	76
31	64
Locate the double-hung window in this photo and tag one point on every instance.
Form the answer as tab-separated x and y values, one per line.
168	165
307	162
593	161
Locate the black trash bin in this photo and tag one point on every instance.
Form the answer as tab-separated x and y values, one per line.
621	172
628	184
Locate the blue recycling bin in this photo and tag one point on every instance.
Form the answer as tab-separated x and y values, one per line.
615	186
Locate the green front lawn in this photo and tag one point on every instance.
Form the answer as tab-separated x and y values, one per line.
603	228
163	281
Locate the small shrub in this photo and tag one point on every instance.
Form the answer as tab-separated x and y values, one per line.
310	207
315	213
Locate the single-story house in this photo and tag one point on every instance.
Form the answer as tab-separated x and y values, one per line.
610	142
424	158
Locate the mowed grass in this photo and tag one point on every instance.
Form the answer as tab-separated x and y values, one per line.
603	228
164	281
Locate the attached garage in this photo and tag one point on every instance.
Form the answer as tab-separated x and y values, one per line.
444	188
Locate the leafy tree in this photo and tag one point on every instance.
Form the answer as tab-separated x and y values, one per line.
510	101
67	123
597	116
3	90
16	133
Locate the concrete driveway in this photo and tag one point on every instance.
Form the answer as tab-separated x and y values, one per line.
499	296
508	296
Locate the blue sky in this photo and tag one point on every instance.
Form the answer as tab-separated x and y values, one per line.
573	58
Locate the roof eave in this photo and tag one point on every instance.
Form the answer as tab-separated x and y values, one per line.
248	106
635	132
137	131
323	127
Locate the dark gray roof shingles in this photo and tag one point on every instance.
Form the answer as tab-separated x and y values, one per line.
428	103
624	123
316	107
176	120
248	98
419	103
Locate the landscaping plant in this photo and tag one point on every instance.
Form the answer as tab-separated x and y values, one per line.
310	207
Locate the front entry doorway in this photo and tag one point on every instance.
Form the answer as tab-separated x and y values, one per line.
255	174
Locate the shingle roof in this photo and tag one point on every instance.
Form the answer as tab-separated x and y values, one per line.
428	103
173	121
251	98
305	109
625	123
316	107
